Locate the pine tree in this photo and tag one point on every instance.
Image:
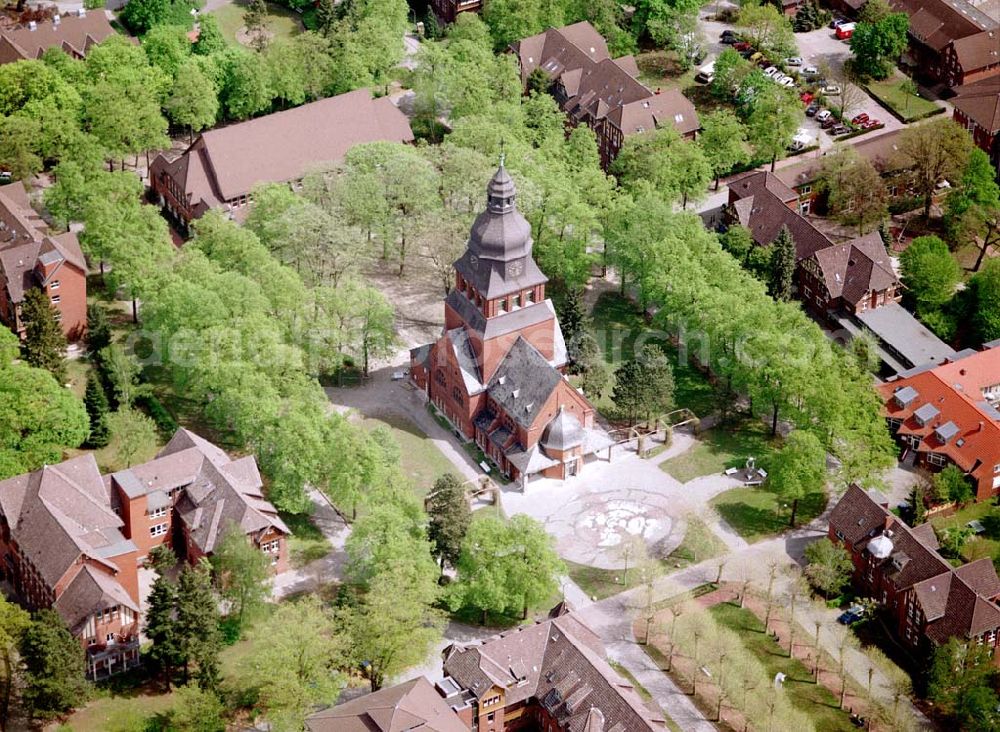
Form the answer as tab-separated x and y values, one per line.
450	517
885	231
53	667
326	17
161	626
44	340
782	266
573	321
198	638
98	330
96	402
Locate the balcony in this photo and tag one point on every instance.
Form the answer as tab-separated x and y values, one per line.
107	659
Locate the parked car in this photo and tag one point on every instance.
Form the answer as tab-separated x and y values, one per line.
824	115
727	40
837	20
845	31
772	71
786	81
742	46
706	74
852	615
860	119
809	71
839	130
728	33
872	124
756	57
802	139
828	122
793	61
812	109
831	90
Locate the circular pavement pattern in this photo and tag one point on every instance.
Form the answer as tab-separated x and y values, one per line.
596	528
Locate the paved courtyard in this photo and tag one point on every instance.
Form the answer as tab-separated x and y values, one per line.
594	516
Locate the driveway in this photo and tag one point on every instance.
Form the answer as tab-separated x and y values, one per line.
819	48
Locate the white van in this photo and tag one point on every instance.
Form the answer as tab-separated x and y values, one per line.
706	74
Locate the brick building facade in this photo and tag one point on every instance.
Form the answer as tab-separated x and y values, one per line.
600	92
73	540
928	600
496	371
977	109
31	257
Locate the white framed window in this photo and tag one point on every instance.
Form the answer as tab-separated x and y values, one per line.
271	547
934	459
56	299
158	530
110	637
158	512
54	285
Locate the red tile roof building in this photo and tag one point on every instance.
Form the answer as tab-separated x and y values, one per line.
73	540
221	167
496	371
601	92
977	109
929	600
32	257
948	416
550	676
74	34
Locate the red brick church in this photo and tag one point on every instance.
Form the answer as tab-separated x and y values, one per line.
497	370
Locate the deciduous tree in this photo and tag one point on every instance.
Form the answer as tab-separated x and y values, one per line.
798	469
13	623
194	101
878	40
394	624
723	139
929	272
133	435
829	566
242	572
938	150
299	639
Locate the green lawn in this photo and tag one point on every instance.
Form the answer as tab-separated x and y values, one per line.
699	545
118	713
307	543
77	371
757	513
812	699
282	22
419	457
892	94
723	447
617	326
984	545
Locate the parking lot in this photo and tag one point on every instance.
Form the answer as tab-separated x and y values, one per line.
817	48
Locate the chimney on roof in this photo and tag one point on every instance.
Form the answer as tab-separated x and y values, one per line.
888	522
981	425
56	19
32	25
81	13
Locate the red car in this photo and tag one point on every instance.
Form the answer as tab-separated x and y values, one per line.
742	46
806	98
871	124
860	119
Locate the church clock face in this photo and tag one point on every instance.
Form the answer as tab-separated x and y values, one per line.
515	268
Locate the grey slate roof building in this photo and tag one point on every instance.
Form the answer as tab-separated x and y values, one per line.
496	370
557	665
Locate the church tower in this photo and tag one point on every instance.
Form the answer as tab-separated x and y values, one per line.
499	289
496	370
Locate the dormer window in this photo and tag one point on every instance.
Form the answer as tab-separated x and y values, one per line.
905	396
946	431
925	414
